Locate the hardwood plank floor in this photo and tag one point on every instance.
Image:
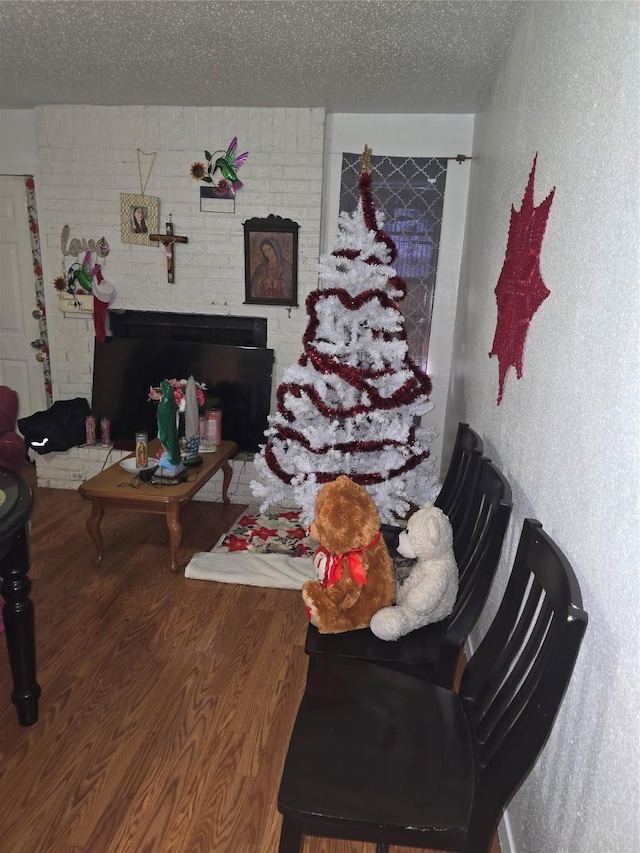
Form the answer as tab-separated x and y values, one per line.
166	703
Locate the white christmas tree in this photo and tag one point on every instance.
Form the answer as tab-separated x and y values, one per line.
353	402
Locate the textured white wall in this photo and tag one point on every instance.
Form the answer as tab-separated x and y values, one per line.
413	136
88	157
18	146
567	434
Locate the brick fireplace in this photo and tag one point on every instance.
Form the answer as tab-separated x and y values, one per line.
220	336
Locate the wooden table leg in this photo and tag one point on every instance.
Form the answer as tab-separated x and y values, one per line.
175	533
227	472
93	527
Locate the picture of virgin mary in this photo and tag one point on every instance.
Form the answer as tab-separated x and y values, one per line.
272	277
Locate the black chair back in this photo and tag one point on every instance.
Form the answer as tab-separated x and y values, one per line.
467	451
458	485
513	685
477	547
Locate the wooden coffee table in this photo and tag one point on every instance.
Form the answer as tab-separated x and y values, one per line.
110	488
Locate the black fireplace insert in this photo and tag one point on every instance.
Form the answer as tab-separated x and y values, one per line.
228	354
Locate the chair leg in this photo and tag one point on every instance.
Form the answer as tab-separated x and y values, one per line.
381	847
290	836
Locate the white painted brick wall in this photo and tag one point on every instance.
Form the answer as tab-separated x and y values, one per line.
88	156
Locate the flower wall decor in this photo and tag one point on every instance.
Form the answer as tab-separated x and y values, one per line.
227	165
84	289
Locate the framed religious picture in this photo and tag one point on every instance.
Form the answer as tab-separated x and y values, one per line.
271	261
138	218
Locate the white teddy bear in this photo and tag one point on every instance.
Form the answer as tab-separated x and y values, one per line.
429	593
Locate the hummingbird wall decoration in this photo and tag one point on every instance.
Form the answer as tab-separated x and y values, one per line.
227	164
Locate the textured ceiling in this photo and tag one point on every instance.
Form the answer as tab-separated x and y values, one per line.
350	56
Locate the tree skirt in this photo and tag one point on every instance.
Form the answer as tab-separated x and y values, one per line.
277	530
269	550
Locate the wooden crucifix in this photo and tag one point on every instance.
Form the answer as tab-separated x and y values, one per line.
169	240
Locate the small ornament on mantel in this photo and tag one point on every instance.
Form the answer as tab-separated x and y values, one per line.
169	240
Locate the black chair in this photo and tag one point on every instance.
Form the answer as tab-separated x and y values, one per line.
378	756
467	450
458	484
432	652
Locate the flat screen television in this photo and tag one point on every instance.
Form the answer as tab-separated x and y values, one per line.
238	381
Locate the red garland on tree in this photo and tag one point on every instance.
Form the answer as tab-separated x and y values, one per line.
520	290
352	403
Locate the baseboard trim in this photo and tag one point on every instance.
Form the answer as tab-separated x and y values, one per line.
505	834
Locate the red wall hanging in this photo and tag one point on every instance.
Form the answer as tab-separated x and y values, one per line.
520	290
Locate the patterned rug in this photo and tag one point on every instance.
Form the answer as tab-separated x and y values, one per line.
276	531
270	549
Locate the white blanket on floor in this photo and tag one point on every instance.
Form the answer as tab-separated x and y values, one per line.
242	567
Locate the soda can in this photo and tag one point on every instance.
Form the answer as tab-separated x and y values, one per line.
142	449
105	432
90	429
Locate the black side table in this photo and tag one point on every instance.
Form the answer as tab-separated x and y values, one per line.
16	505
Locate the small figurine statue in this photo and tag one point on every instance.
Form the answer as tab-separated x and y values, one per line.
170	461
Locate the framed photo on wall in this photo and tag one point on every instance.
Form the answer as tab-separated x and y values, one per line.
138	218
271	261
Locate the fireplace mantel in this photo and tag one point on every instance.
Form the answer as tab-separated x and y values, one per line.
190	328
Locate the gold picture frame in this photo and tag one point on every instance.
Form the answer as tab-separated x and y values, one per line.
139	216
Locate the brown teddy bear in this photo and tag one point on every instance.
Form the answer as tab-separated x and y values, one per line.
357	577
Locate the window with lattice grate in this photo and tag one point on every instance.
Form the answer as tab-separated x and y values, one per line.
409	191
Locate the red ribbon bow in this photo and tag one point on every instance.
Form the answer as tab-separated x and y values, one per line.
333	567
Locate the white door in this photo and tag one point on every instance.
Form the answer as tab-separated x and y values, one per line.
19	368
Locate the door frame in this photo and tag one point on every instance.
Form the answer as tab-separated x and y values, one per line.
38	281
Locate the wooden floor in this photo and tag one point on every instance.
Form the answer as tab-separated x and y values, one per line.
166	703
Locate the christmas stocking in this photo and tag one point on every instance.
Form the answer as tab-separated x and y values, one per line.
103	295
